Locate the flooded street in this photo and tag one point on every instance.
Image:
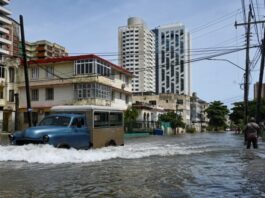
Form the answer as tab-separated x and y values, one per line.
200	165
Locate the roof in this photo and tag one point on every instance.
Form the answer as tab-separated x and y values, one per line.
75	58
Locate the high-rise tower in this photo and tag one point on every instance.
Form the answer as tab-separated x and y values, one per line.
137	54
173	73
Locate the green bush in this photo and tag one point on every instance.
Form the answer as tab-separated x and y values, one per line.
190	130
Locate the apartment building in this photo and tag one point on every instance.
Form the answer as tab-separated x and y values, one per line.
169	102
44	49
9	44
137	54
73	80
199	118
173	72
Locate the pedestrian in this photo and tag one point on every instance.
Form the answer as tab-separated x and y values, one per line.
251	132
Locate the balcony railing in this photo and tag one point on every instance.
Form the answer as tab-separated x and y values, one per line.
3	51
4	11
4	30
5	41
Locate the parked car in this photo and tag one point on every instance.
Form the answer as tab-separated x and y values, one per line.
59	130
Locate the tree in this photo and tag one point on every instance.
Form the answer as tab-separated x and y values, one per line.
237	114
174	119
131	114
217	112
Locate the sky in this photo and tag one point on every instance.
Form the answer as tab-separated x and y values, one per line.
91	26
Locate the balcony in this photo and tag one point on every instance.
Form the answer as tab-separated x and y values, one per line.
3	51
3	30
5	41
4	11
5	21
4	2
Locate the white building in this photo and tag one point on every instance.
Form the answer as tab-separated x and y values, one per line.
137	54
9	51
73	80
173	70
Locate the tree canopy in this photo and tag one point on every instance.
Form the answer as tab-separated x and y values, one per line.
131	114
217	112
174	119
237	114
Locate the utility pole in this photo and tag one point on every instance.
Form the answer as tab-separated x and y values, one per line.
246	75
260	80
16	111
25	70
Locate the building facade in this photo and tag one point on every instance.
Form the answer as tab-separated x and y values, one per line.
198	115
73	80
44	49
173	72
169	102
137	54
9	61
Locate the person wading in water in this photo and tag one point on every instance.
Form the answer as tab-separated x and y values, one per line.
251	132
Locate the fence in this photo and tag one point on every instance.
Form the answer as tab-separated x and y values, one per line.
140	126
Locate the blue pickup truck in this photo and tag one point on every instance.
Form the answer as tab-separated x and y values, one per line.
59	130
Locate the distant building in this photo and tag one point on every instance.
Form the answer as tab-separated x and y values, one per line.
148	112
137	54
256	91
173	72
44	49
169	102
198	115
74	80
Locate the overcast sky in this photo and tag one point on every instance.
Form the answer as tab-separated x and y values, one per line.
91	26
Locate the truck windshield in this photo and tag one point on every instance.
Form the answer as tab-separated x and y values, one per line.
55	121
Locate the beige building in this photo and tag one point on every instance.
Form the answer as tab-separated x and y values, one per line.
178	103
44	49
199	117
73	80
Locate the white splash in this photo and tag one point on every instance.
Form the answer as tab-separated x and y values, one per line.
49	155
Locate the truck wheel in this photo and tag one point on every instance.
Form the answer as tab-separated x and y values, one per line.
111	143
63	146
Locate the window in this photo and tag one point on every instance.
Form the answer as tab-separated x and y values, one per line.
115	119
34	94
49	94
92	90
78	122
34	72
127	99
1	95
2	71
101	119
11	74
182	84
180	101
11	95
181	66
84	67
50	72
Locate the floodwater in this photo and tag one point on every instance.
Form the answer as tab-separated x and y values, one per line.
199	165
